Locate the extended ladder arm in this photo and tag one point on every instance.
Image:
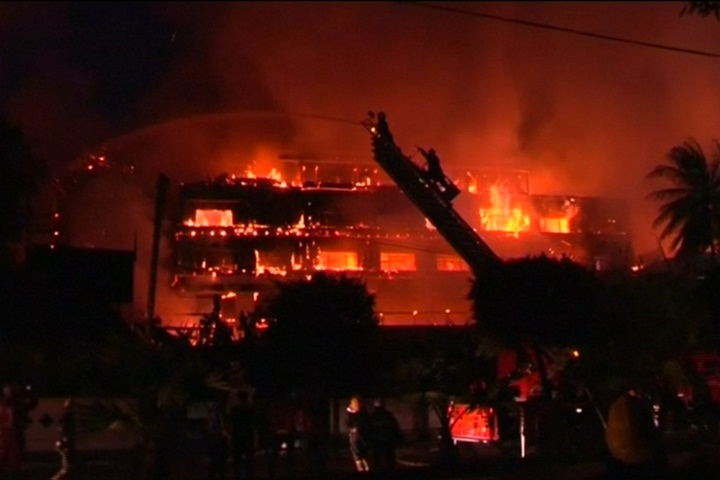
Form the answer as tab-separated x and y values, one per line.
432	202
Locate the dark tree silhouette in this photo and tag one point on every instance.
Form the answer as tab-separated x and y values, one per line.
709	298
690	215
21	173
651	318
151	381
535	304
447	377
320	337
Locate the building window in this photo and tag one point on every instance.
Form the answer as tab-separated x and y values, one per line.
397	261
554	225
451	263
328	260
213	218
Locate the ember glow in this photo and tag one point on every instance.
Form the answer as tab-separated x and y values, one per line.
397	262
560	221
338	261
211	218
273	174
451	263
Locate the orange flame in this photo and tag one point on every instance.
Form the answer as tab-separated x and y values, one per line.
334	260
272	174
505	214
560	222
211	218
472	186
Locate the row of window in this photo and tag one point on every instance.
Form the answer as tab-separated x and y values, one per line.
322	260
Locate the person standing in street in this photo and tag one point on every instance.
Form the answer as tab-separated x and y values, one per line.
357	425
15	407
66	443
243	427
216	441
385	436
10	456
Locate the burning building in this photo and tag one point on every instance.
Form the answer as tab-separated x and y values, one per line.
236	235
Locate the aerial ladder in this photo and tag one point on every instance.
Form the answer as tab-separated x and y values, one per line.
432	196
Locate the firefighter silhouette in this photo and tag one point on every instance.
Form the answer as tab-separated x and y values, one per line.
213	330
434	170
383	130
436	175
358	425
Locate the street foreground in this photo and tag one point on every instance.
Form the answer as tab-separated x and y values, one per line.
699	461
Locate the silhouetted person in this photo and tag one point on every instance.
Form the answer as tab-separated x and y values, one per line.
10	450
385	436
242	424
316	436
383	130
434	170
633	439
246	326
357	425
216	442
282	436
15	407
66	443
436	175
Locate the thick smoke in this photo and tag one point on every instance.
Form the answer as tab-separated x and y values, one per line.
585	116
231	84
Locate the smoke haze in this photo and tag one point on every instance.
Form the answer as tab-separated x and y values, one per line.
195	89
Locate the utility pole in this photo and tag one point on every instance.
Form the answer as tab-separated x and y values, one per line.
161	188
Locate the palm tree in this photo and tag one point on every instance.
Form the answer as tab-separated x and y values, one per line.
690	215
703	9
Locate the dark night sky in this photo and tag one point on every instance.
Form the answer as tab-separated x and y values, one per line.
585	116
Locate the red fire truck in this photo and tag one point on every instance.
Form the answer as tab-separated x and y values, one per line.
473	424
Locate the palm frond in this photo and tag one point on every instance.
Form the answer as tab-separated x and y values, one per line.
665	193
675	211
673	223
671	173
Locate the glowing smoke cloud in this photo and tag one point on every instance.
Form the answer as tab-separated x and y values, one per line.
585	116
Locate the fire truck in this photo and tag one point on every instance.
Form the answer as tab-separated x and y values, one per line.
473	424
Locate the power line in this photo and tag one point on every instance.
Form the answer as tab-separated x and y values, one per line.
572	31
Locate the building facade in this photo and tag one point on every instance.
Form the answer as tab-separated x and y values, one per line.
237	235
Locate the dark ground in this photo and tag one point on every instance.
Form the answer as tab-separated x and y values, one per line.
687	459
